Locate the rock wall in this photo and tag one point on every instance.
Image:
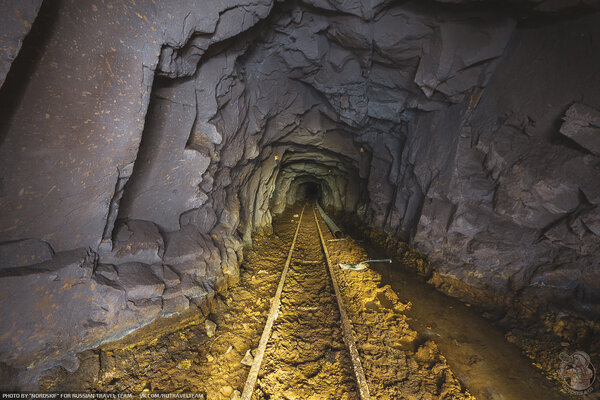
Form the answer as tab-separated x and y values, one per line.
16	23
514	207
82	257
150	141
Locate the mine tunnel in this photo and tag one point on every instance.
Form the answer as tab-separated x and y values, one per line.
309	191
300	199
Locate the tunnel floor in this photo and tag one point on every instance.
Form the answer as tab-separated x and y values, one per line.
306	357
306	352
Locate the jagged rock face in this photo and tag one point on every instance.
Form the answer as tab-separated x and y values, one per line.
511	205
157	138
16	22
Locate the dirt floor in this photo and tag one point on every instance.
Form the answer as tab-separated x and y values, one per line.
539	340
177	354
306	357
398	363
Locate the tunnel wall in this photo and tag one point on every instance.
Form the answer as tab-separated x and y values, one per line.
514	204
77	269
16	23
141	157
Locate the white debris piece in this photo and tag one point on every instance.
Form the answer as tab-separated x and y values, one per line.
248	359
211	327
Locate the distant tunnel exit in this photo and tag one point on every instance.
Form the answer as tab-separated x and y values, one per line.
310	191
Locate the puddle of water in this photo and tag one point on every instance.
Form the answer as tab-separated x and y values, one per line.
480	356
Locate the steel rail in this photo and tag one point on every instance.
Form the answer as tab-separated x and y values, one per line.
347	332
273	312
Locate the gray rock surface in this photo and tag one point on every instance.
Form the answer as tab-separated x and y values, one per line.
138	281
63	309
88	96
16	21
506	211
166	274
134	240
24	252
66	93
582	124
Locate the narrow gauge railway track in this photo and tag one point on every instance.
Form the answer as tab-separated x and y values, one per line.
303	357
307	346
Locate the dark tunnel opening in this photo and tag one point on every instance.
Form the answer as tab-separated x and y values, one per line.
311	191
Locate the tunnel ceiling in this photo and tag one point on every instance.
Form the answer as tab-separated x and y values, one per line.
170	134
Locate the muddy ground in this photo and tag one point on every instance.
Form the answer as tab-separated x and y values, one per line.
540	336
